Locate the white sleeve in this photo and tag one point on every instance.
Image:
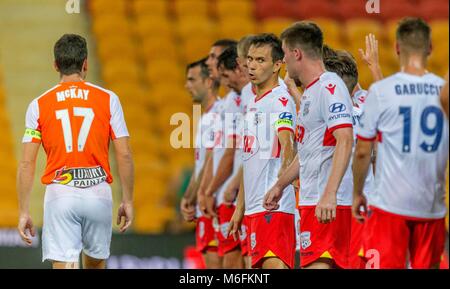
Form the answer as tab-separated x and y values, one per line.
32	129
284	112
336	105
117	121
368	122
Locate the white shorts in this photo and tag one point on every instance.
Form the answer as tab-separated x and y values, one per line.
76	219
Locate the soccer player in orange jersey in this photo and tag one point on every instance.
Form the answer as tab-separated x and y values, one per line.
75	122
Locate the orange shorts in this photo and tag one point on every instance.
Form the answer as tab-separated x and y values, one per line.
390	237
205	235
330	240
226	243
272	234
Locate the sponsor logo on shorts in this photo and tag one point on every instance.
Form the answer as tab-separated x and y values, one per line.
253	240
268	218
305	239
243	234
223	229
80	177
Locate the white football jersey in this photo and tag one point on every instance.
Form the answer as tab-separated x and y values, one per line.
405	112
265	117
358	108
231	115
325	106
204	139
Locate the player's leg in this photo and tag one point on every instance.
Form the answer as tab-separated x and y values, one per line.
233	259
427	243
96	226
272	240
92	263
273	263
385	240
321	263
212	259
61	232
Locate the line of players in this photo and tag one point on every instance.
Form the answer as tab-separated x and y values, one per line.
275	168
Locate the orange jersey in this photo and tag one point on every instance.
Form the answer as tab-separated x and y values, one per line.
75	122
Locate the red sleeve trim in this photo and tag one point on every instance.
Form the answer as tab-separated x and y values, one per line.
344	125
286	128
366	138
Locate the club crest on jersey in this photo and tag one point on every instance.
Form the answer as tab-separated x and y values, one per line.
80	177
306	108
331	87
238	101
283	100
305	239
253	240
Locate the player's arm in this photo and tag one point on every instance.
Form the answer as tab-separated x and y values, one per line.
25	178
187	207
286	138
326	208
125	166
293	90
361	162
204	181
275	193
370	57
233	187
444	96
224	170
234	227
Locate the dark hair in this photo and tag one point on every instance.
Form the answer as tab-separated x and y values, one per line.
70	52
228	58
271	40
225	43
304	35
204	71
328	52
414	33
344	66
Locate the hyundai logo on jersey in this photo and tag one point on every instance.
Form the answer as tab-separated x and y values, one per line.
285	115
337	107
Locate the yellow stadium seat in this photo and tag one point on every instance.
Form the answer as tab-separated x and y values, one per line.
115	47
357	29
196	48
236	27
189	26
191	7
231	8
162	70
274	25
118	69
331	31
150	8
151	48
153	27
110	24
100	7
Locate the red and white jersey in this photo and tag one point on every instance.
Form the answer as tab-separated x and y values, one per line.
404	111
359	97
325	106
75	122
369	184
228	127
204	139
266	117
